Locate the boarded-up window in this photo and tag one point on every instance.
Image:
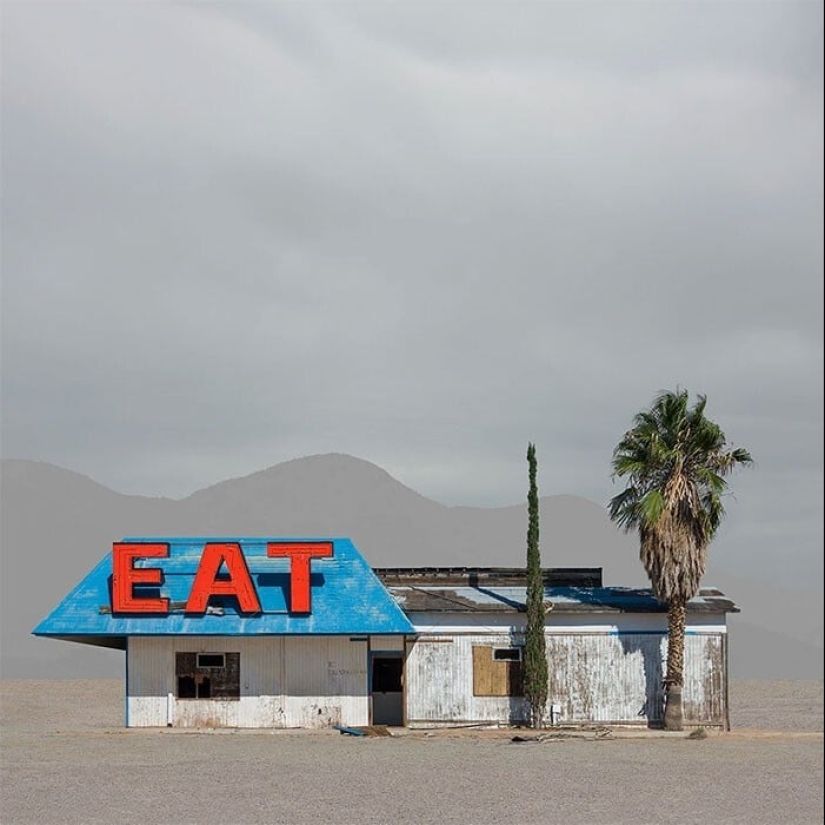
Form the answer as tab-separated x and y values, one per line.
496	673
208	676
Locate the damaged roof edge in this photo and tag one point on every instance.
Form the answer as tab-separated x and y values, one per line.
486	576
435	599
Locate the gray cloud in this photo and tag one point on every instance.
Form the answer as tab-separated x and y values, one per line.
423	234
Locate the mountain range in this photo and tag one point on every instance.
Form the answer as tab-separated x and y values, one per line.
57	524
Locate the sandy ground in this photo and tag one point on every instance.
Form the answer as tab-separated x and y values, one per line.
67	759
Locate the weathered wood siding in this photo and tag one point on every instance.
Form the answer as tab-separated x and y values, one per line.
617	678
285	682
594	677
439	683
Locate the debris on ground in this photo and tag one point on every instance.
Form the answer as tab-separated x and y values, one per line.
555	736
365	730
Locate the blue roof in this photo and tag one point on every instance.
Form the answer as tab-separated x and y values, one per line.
347	598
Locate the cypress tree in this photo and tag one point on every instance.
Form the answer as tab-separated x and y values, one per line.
535	657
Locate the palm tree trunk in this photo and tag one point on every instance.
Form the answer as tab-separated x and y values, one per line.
675	665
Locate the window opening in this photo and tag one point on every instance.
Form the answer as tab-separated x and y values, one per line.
187	689
507	654
387	674
208	675
211	660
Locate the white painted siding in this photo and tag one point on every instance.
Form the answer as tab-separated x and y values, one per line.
325	681
562	622
600	675
439	683
618	678
609	673
387	644
284	682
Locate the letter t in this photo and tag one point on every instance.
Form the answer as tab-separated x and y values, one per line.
300	555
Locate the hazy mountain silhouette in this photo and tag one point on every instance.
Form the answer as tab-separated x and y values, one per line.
57	524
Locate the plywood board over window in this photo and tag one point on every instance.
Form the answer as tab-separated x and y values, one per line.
497	675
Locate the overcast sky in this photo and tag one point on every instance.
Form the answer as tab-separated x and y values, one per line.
420	233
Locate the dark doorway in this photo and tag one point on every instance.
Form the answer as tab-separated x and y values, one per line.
388	689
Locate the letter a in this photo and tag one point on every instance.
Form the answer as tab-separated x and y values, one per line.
207	583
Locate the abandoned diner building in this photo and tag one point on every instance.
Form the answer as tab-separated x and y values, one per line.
275	633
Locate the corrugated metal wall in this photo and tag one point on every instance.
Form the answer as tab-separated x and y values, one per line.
290	681
439	683
316	681
325	681
618	678
594	677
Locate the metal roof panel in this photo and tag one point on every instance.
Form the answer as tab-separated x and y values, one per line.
347	598
425	599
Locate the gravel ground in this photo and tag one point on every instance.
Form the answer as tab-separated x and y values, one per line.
779	705
66	759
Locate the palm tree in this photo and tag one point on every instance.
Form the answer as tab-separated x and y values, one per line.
675	460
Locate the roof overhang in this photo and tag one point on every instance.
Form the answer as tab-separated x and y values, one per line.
346	598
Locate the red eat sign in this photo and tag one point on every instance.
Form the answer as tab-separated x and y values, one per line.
238	582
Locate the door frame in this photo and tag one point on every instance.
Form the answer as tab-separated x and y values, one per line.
388	654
